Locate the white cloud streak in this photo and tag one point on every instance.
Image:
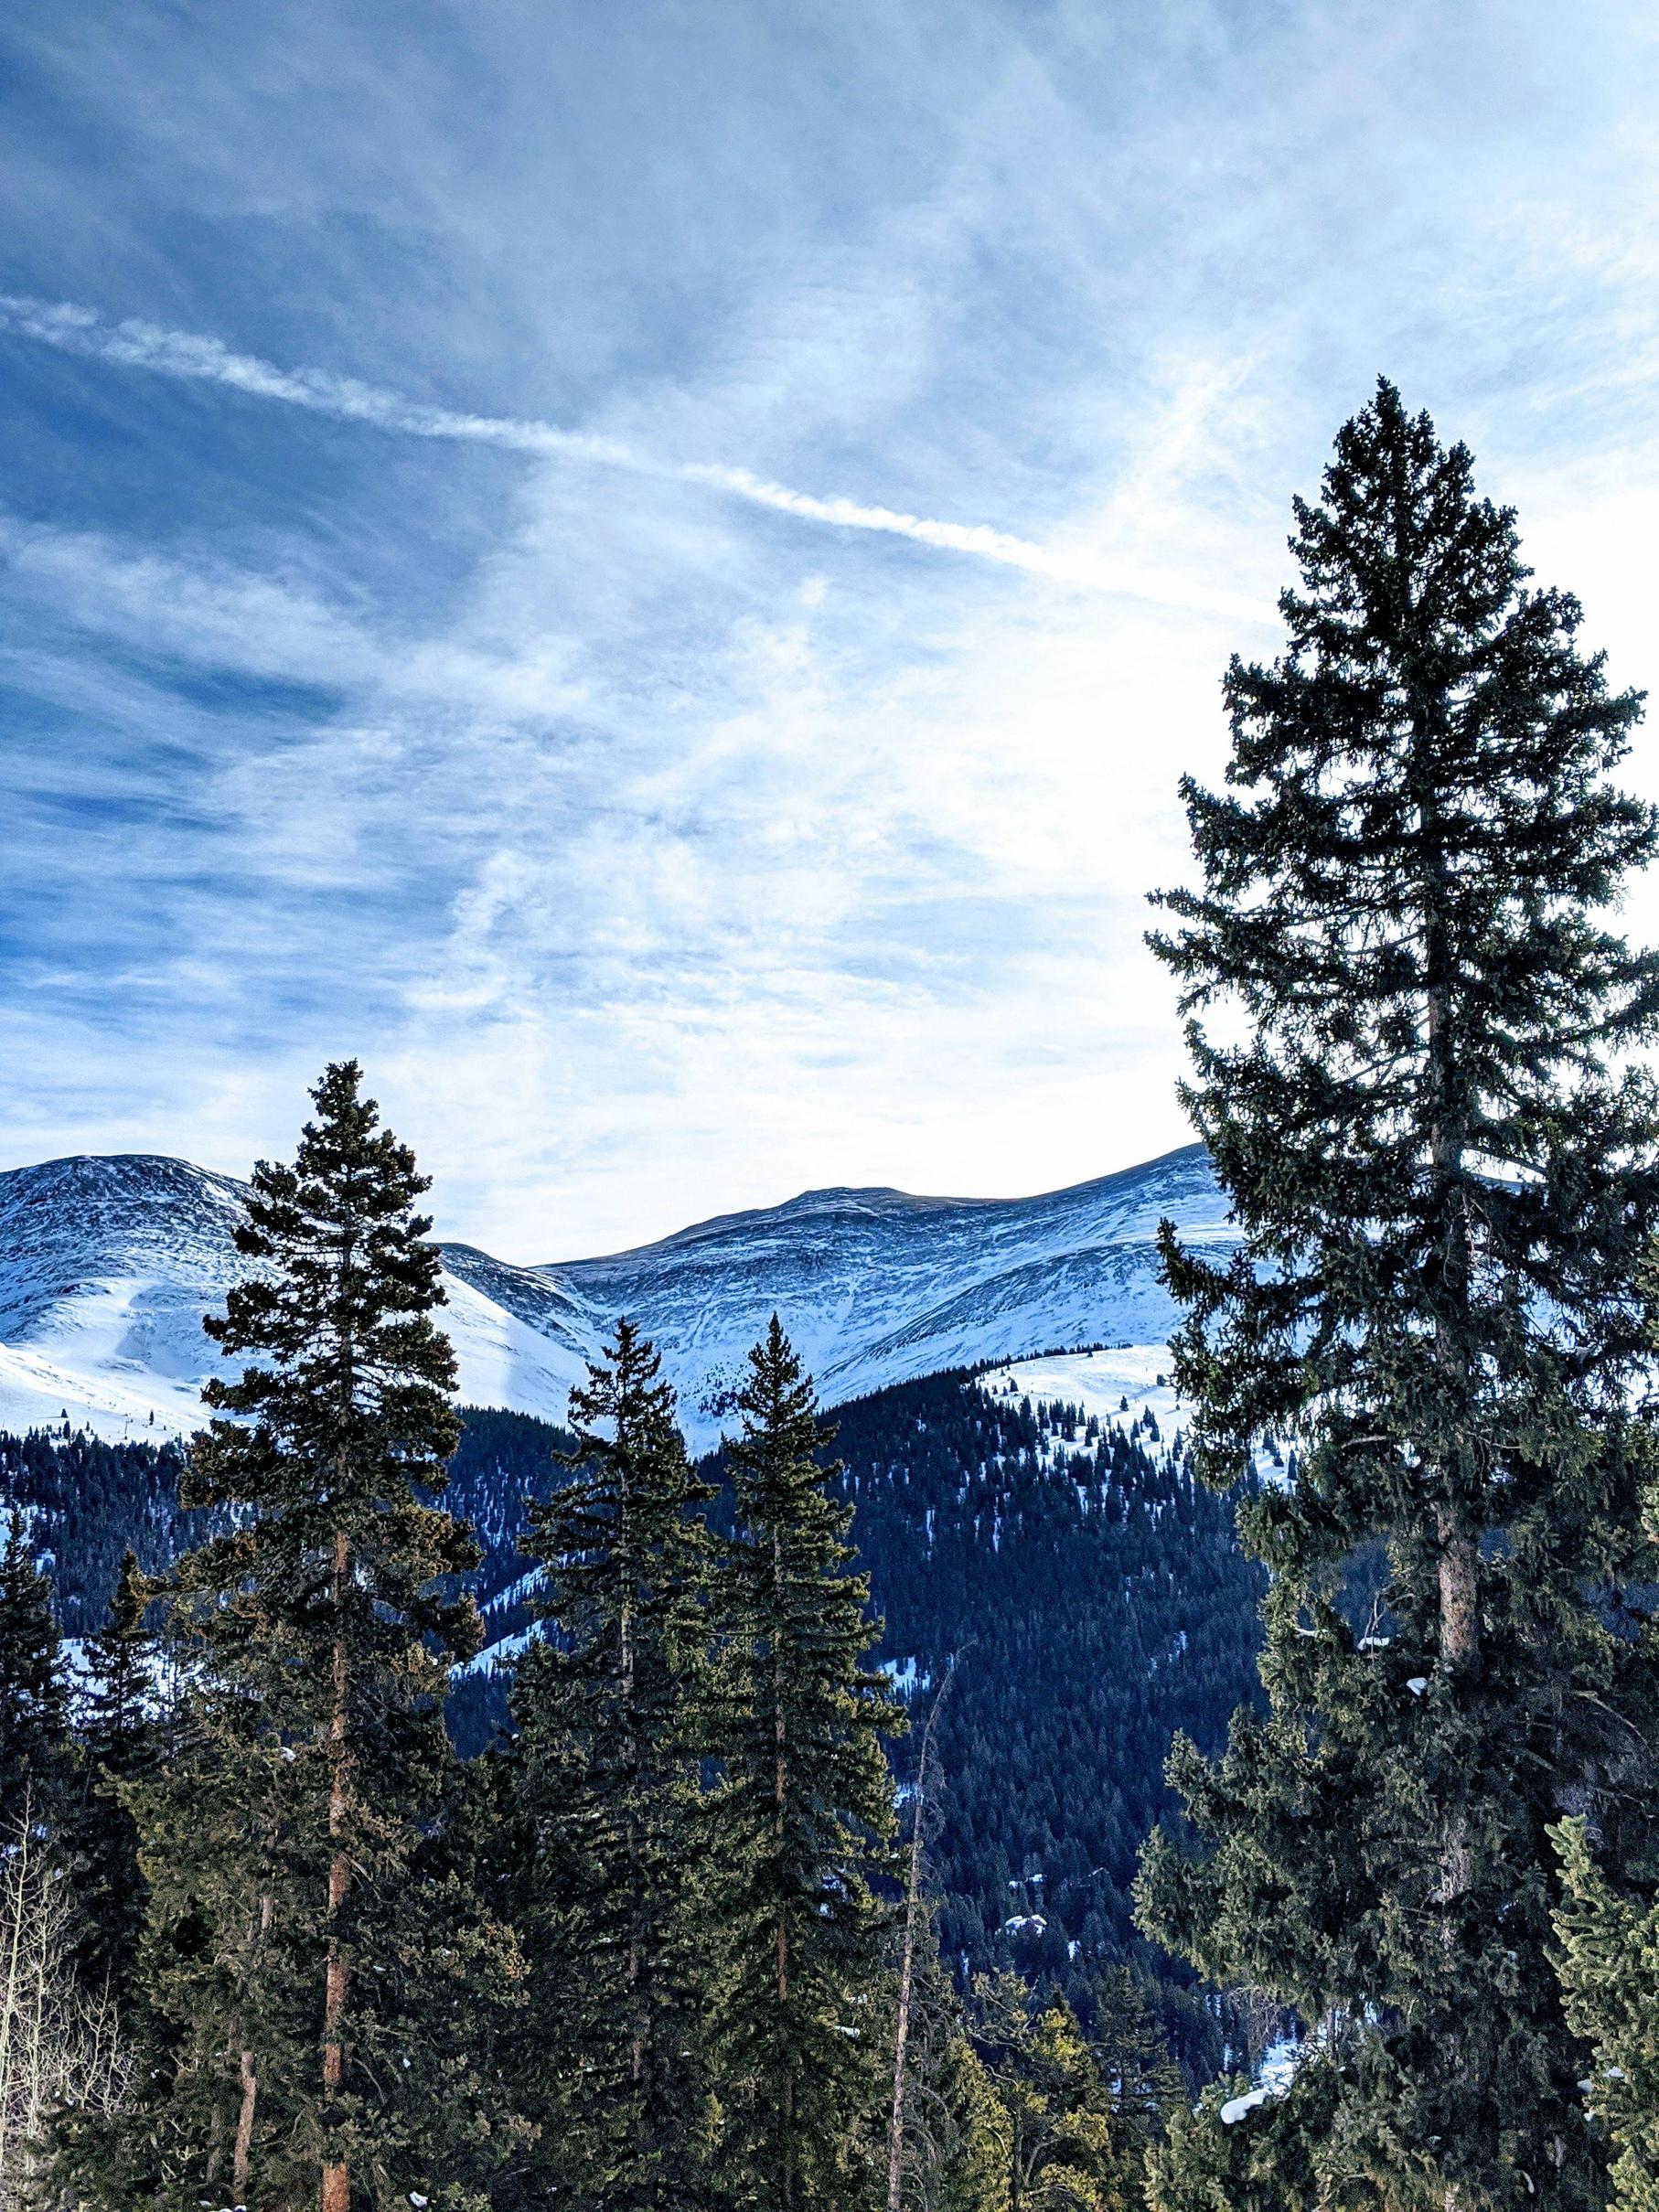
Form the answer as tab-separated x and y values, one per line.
135	344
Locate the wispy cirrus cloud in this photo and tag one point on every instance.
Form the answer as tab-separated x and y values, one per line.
135	344
512	703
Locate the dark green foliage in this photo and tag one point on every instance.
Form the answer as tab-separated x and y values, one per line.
795	1825
969	2124
1608	1958
34	1712
118	1742
311	1957
1103	1619
1445	1185
1107	1604
1260	2160
1102	1624
88	1503
954	2135
1073	2134
503	1461
605	1790
1607	1947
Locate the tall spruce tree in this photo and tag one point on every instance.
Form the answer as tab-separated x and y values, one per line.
33	1704
310	2006
1444	1184
117	1743
801	1822
607	1779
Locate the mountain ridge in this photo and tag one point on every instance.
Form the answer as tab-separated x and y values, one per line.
107	1262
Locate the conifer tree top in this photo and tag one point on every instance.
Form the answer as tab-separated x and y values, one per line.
337	1313
348	1419
1432	735
1405	891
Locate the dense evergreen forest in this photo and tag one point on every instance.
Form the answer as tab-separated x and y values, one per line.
87	1502
1098	1601
1095	1591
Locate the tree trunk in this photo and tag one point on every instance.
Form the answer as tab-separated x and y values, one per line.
913	1900
244	2130
1458	1571
638	1994
249	2073
1459	1618
780	1796
1459	1586
336	2181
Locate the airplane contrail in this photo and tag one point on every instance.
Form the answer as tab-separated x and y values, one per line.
179	353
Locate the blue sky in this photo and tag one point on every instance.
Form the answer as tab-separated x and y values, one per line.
650	570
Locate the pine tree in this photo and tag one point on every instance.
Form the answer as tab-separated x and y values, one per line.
956	2142
972	2170
312	1975
605	1784
1443	1184
1609	1964
1068	2147
117	1744
34	1706
1133	2055
1258	2159
799	1823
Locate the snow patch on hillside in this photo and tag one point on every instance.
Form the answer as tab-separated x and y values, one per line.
115	1398
1097	1383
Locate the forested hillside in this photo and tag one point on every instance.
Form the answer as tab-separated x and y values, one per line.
1093	1590
1098	1602
87	1501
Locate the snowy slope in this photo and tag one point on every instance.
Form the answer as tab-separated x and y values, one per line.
877	1287
1120	1386
106	1266
1097	1383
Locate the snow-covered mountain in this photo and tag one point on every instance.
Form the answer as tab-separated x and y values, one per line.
107	1266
